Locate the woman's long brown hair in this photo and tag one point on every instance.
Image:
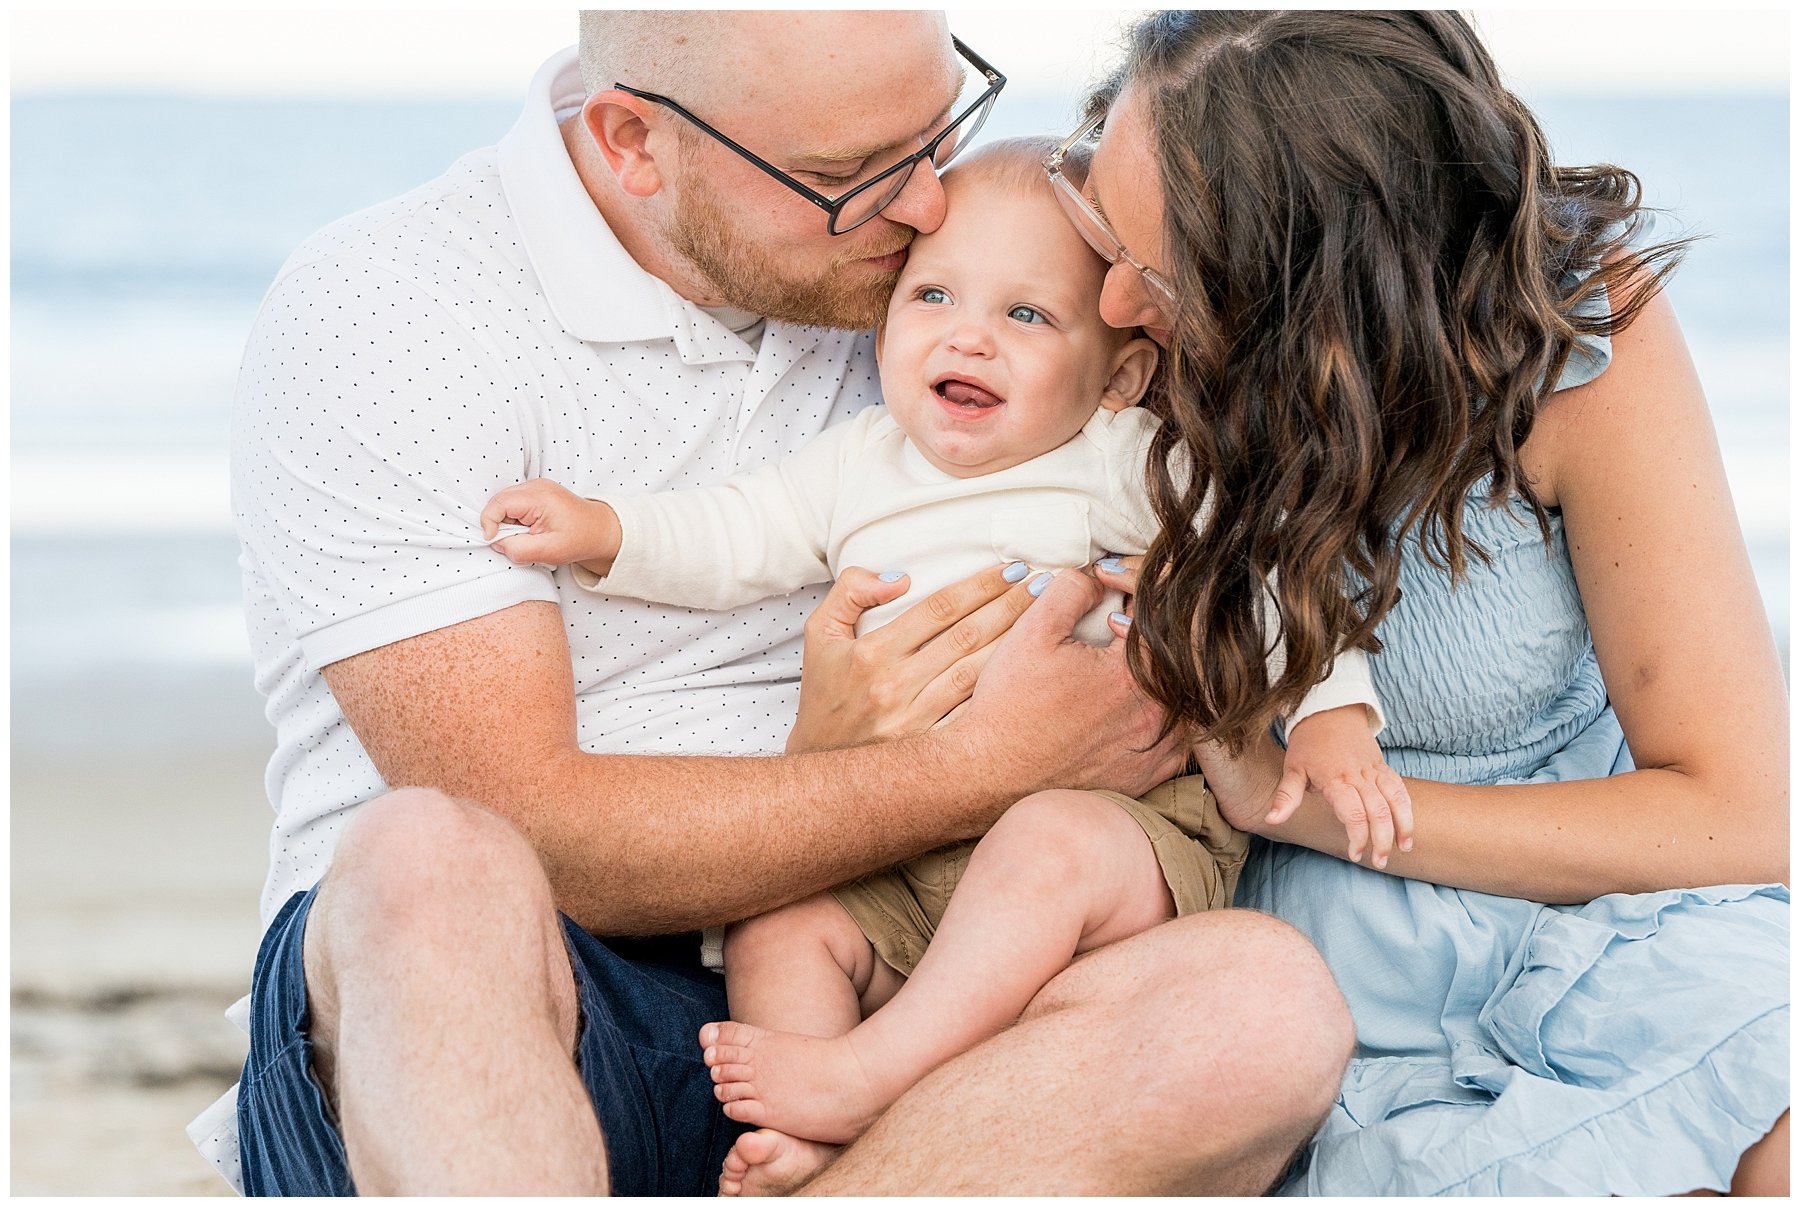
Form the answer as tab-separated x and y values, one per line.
1378	269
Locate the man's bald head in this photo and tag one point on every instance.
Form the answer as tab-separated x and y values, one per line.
703	57
646	48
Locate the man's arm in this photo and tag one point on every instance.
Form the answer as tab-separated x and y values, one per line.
648	843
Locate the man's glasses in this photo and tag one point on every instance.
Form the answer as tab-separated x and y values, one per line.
1092	224
852	209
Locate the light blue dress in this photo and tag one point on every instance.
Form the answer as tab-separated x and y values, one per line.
1633	1045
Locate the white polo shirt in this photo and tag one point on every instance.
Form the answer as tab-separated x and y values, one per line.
415	358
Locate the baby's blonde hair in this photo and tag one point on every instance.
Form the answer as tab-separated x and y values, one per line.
1017	163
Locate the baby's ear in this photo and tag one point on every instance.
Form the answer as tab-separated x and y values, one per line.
1132	367
880	338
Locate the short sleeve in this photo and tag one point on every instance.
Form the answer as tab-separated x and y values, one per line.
368	429
1591	353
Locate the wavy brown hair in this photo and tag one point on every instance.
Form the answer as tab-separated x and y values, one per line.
1378	269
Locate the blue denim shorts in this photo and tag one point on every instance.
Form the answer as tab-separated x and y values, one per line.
642	1006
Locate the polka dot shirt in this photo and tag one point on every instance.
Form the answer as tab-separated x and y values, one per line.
413	359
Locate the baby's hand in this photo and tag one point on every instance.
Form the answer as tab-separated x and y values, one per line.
1334	753
564	526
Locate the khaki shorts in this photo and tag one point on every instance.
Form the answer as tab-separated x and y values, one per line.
899	908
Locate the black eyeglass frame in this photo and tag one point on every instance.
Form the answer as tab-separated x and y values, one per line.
835	206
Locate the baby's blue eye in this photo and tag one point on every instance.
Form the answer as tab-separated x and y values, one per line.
934	295
1026	314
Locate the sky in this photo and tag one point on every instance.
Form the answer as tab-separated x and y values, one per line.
492	53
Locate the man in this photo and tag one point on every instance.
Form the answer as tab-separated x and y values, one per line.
615	294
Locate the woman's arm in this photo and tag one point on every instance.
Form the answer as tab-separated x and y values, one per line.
1684	646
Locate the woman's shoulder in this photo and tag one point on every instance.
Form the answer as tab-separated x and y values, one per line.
1641	378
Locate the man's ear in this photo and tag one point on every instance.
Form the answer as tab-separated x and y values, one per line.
1132	367
620	125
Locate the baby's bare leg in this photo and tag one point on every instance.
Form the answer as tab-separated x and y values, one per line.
803	968
1060	874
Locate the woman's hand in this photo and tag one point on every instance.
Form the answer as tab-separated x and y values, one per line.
1244	784
1121	574
910	673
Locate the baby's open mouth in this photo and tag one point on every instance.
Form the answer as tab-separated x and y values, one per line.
966	394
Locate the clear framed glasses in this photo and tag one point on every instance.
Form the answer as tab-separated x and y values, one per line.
1092	223
850	210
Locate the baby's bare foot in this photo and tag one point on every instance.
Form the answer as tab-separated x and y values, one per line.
814	1088
768	1163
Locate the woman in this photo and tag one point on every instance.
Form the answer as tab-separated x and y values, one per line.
1348	237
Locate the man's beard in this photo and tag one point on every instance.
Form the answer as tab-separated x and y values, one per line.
746	275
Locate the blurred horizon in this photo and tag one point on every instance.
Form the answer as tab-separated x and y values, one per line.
373	53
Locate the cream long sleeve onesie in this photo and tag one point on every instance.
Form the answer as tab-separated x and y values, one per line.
861	494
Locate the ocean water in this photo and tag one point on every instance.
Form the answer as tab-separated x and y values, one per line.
145	230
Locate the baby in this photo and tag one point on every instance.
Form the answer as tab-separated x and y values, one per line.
1009	433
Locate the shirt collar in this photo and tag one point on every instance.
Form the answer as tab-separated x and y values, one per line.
594	287
596	290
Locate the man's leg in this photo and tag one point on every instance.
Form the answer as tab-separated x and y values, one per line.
443	1008
1194	1058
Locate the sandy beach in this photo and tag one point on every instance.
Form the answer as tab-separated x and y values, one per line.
134	922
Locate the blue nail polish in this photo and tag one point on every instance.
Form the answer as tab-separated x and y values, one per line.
1015	572
1111	565
1040	582
893	576
1122	620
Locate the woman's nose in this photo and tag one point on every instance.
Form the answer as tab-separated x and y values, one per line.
1125	300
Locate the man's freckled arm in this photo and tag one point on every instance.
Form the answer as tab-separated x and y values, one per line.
484	710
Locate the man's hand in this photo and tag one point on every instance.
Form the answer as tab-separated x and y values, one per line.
907	675
1059	713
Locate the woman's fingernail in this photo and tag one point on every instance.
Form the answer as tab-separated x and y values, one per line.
1122	620
1407	845
1039	583
1111	565
1015	572
893	576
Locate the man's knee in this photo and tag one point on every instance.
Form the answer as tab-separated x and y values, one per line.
1231	989
1301	1034
1275	974
418	872
418	853
422	884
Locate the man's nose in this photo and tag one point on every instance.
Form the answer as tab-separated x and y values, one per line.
920	204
